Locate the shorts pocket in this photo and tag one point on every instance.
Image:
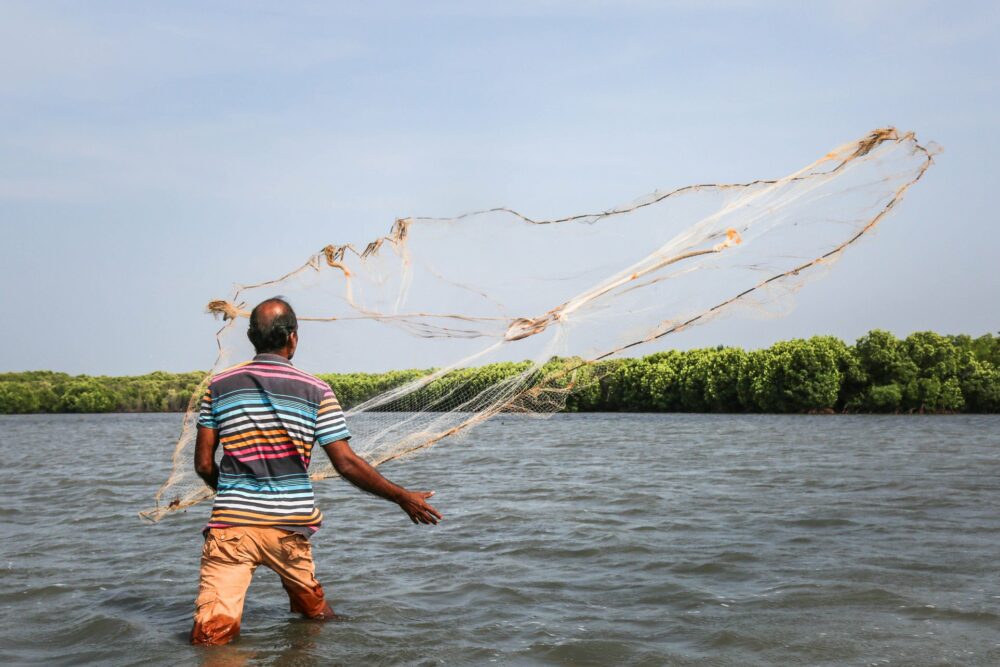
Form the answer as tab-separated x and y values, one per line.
296	547
205	606
209	626
223	547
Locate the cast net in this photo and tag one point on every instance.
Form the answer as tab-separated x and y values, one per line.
509	315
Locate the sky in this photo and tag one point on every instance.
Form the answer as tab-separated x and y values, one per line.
152	155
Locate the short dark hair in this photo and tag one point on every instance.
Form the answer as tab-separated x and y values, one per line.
269	330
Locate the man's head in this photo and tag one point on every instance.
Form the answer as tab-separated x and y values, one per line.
274	328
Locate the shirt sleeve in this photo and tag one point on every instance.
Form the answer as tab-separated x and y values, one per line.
330	423
206	416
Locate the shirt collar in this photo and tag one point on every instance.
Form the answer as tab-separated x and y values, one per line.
272	358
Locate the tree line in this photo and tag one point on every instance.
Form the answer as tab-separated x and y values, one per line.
924	372
49	392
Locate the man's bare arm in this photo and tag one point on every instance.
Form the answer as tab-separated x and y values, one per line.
204	456
361	474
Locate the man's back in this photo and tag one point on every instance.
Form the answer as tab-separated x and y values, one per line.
269	415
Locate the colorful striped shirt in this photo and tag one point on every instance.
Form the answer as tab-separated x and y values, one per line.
269	415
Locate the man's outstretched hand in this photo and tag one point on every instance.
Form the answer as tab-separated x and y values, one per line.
415	504
361	474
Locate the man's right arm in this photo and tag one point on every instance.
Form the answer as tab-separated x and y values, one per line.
206	443
361	474
204	456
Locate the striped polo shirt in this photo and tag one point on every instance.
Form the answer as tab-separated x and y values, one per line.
269	415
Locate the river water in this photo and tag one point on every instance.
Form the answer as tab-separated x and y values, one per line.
580	539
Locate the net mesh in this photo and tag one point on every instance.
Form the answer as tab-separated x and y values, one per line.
510	314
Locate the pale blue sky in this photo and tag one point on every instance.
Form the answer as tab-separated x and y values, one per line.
151	155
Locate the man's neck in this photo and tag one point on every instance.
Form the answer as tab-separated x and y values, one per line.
273	356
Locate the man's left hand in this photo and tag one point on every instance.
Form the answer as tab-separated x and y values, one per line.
415	504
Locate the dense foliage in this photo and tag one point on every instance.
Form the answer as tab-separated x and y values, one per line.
44	391
925	372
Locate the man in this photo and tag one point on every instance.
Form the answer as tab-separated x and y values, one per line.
268	415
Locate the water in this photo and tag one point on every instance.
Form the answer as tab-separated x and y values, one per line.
582	539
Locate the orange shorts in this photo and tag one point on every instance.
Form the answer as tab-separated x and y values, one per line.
228	561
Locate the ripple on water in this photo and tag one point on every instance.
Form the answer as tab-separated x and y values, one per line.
582	539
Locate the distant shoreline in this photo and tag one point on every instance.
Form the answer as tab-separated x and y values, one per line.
594	412
925	373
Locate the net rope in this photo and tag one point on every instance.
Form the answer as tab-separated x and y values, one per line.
509	314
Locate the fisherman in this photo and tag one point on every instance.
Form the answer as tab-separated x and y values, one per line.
268	416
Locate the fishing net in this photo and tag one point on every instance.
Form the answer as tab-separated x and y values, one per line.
510	314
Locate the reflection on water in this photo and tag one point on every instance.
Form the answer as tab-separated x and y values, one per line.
294	644
582	539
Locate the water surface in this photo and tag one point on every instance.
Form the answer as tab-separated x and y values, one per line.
581	539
